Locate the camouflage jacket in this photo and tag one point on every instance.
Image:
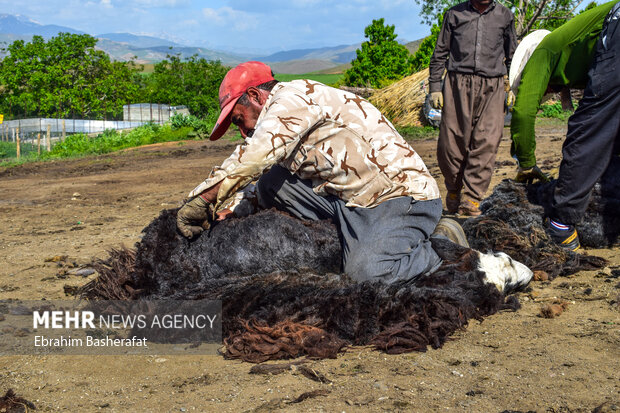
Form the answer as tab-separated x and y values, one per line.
339	141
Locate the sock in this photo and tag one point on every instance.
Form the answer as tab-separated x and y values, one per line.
559	225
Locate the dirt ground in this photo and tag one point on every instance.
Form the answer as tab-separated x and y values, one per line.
516	361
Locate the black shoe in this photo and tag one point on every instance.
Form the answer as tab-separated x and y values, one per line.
452	230
565	238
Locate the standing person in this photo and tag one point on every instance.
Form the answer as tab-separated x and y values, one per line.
323	153
583	51
475	45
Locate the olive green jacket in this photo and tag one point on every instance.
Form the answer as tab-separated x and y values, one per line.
563	58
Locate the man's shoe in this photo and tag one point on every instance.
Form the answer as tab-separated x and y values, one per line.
452	230
469	208
453	200
564	235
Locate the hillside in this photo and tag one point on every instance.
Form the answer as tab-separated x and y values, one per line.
411	46
136	40
414	45
22	25
148	50
303	66
144	55
336	54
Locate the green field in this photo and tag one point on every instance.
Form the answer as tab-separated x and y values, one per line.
327	79
148	68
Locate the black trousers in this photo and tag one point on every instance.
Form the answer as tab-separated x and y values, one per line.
593	135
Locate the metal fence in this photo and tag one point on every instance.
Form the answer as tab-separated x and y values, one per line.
47	130
151	112
31	129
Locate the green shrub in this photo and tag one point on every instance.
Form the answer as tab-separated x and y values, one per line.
108	141
554	111
9	150
200	126
193	82
112	140
422	57
381	60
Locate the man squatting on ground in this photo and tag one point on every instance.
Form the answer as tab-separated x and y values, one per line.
323	153
475	45
583	51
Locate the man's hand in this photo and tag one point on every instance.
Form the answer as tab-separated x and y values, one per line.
510	99
437	100
194	217
529	175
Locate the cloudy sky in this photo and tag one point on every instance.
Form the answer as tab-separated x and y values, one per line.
234	25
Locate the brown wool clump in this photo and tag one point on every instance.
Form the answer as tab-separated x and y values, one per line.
540	276
553	310
11	403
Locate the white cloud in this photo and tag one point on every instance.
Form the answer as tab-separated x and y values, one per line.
305	3
189	22
279	6
391	4
155	3
213	15
227	16
242	24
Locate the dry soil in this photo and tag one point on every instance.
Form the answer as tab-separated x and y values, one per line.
515	361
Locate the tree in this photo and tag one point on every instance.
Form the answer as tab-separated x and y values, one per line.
589	7
422	57
65	76
380	60
529	14
194	82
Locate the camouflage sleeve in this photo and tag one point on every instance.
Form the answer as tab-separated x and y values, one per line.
287	118
216	176
243	202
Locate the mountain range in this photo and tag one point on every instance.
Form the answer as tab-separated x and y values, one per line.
148	49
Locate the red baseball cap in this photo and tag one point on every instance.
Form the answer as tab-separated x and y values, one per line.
235	84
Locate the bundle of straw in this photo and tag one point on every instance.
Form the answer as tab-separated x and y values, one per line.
402	101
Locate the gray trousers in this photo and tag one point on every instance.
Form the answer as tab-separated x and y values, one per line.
388	243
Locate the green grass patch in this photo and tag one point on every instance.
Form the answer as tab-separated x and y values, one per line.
327	79
415	133
200	126
148	68
554	111
9	150
112	140
235	137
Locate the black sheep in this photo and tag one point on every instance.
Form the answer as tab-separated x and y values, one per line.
284	296
279	281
